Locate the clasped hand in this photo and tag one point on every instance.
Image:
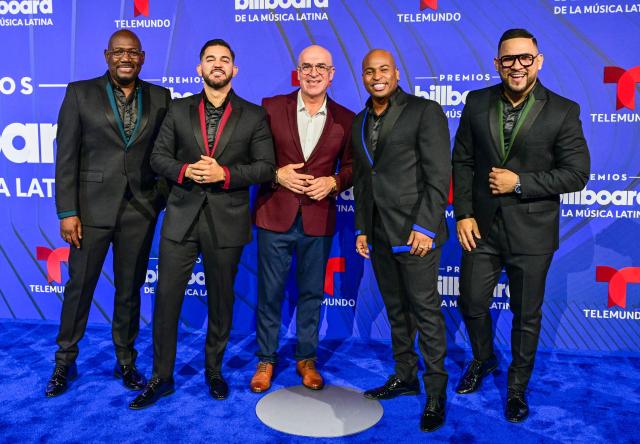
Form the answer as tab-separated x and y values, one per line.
206	170
317	188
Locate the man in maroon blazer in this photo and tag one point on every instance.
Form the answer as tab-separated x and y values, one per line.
311	135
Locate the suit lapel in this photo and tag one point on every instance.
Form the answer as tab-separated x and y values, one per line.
540	96
328	124
494	120
143	113
108	108
292	117
194	115
361	143
389	122
227	131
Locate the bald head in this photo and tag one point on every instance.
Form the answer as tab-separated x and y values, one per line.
378	54
315	72
379	74
124	58
315	52
127	34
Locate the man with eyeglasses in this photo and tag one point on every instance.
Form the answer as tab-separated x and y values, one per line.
107	195
402	169
297	212
518	147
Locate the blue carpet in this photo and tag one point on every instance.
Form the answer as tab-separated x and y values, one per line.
574	397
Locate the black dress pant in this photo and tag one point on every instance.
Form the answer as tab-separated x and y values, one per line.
527	275
408	285
174	270
131	239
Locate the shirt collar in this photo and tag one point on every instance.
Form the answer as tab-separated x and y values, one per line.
207	103
116	87
392	99
302	107
506	100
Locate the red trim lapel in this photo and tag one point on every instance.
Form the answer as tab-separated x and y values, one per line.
203	126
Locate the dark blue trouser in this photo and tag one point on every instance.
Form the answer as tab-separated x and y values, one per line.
275	251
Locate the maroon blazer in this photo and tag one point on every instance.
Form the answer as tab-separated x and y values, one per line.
277	207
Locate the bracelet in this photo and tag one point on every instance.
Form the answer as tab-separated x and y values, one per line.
275	176
334	188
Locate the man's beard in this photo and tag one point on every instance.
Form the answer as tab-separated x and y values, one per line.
218	83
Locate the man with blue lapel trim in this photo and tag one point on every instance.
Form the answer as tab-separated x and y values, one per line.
402	170
107	194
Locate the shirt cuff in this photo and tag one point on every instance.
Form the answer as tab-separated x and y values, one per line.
182	171
227	178
422	230
64	214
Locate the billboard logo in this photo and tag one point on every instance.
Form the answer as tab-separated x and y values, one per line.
431	4
618	280
284	4
626	81
26	7
54	260
141	7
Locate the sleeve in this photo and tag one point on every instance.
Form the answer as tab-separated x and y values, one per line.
435	160
344	178
261	165
69	139
463	168
572	162
359	182
163	156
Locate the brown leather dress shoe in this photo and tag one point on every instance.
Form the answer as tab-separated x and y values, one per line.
261	381
311	379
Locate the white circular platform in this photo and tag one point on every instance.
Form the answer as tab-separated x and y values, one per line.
327	413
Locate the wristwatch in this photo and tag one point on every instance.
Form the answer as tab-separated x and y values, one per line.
517	189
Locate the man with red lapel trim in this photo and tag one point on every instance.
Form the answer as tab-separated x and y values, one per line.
212	147
312	136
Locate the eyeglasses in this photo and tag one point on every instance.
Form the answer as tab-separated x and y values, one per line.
526	60
321	68
120	52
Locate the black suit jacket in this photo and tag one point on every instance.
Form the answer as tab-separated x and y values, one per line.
245	148
94	164
407	178
549	153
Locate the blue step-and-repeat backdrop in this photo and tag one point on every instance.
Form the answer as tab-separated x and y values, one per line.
444	48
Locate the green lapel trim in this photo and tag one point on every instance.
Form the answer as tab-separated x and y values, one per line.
527	107
138	118
114	108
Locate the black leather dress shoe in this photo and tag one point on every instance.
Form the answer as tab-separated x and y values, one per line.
131	377
392	388
154	390
433	414
59	380
475	371
218	388
517	409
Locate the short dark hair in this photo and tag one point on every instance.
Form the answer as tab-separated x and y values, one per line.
218	42
517	33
